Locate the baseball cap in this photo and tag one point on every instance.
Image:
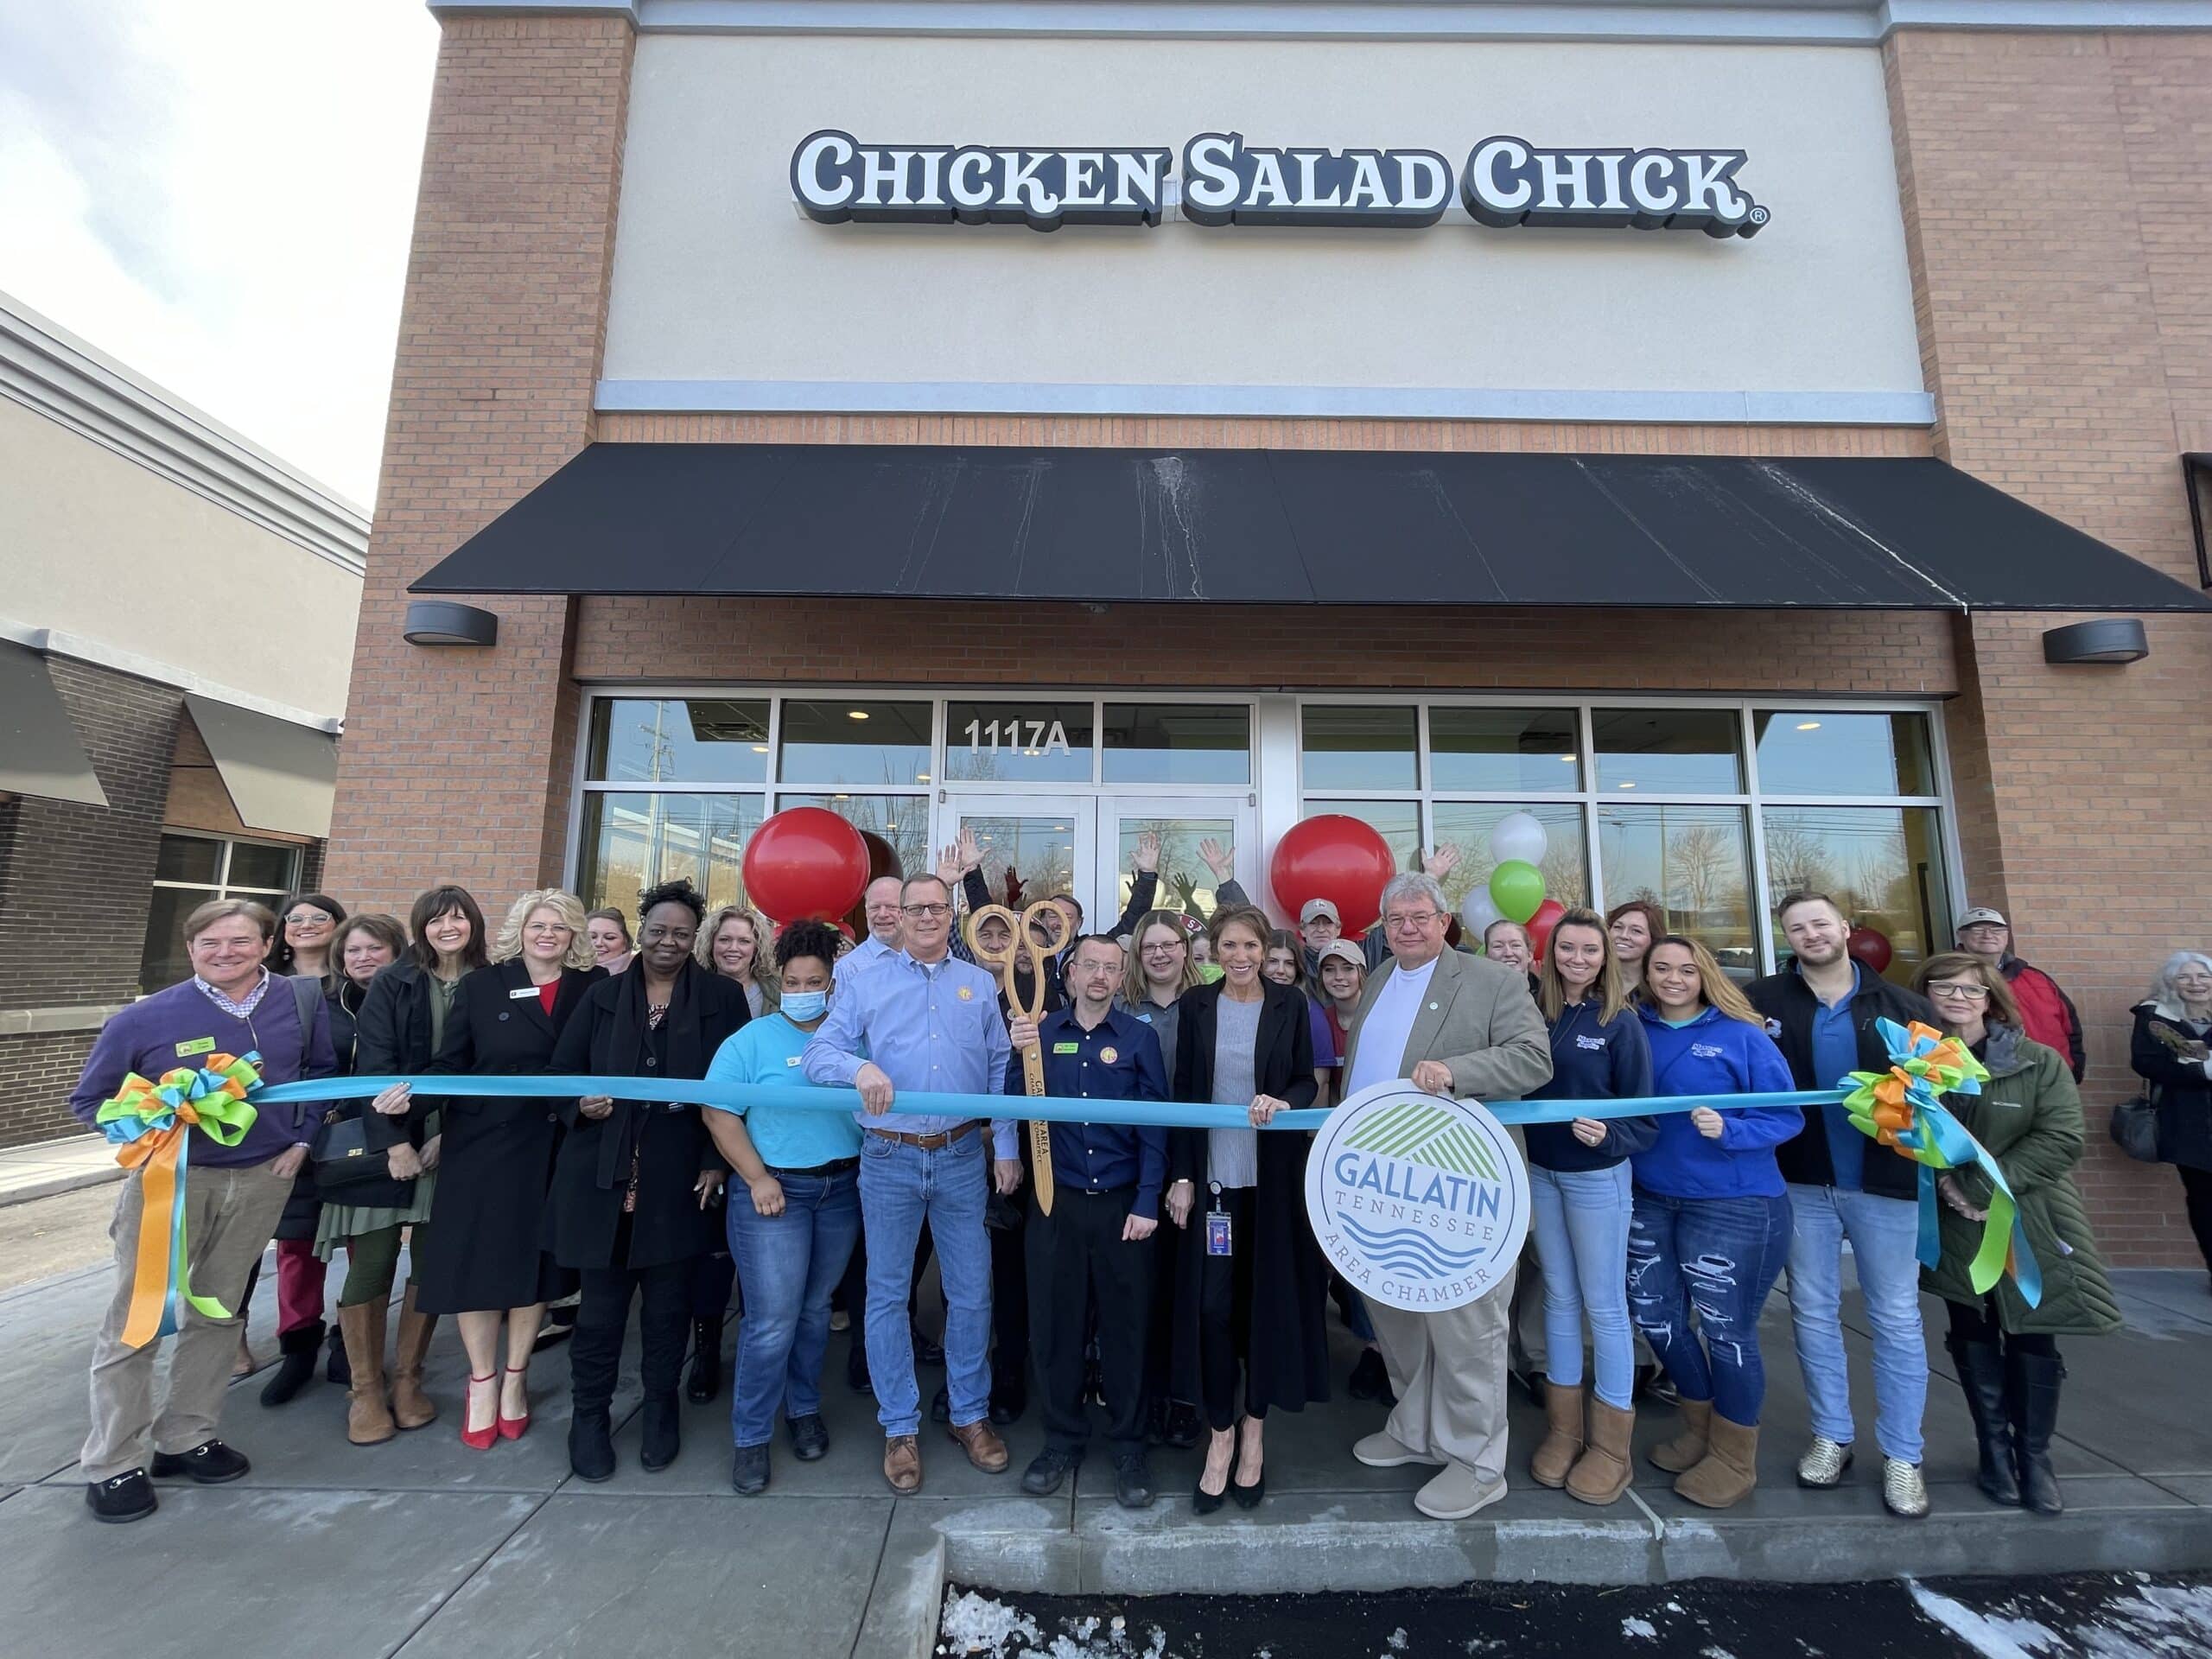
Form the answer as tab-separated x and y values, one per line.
1982	913
1314	907
1344	947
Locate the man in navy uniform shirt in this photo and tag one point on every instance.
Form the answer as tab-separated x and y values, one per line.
1096	1246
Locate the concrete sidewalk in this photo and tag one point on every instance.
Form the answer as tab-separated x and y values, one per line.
420	1547
46	1168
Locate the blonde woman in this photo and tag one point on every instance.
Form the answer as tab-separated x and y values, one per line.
486	1259
738	943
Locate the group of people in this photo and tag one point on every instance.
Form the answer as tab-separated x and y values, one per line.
1169	1274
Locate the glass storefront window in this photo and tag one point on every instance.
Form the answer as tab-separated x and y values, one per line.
1694	863
1359	745
1670	751
188	871
189	858
1883	864
1467	824
1026	859
678	740
1177	743
847	740
635	840
1830	752
901	822
1397	822
1185	883
1017	742
1498	750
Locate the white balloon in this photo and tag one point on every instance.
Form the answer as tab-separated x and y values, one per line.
1478	911
1518	836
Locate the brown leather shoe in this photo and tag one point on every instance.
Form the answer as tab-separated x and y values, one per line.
902	1463
982	1443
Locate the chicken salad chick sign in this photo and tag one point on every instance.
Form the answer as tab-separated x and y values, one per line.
1420	1202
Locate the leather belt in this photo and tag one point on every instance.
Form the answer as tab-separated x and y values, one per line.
929	1142
835	1166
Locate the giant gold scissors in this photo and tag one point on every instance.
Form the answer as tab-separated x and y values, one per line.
1054	922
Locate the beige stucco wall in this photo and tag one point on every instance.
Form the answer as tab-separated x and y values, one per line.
93	544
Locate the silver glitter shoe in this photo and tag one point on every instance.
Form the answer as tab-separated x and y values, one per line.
1823	1463
1904	1492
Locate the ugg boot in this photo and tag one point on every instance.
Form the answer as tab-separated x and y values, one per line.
1562	1441
1730	1468
299	1349
368	1420
1981	1376
2031	1390
1686	1450
411	1406
1601	1474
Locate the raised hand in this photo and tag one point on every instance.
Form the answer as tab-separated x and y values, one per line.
1147	852
1218	859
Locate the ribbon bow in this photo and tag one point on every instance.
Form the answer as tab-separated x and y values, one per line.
1903	1110
149	1125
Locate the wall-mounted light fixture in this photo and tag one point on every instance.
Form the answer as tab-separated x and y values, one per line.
2107	639
442	622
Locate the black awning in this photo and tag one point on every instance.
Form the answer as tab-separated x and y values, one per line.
1292	527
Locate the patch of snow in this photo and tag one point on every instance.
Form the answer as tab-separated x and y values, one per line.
1642	1628
1992	1638
1397	1640
973	1623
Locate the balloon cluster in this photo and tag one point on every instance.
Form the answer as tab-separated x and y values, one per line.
1515	889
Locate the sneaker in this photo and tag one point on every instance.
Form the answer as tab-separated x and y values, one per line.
1904	1492
1823	1463
810	1438
1371	1378
1046	1471
748	1470
126	1497
209	1464
1381	1450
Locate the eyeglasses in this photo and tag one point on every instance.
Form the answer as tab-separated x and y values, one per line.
306	918
1964	992
1410	921
1165	948
926	912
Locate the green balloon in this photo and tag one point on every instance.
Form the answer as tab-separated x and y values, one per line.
1516	887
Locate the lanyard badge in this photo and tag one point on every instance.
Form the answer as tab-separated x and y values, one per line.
1217	1237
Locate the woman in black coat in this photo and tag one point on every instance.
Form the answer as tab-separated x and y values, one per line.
634	1179
1262	1302
486	1259
2172	1039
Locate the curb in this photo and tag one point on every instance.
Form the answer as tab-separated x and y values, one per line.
48	1186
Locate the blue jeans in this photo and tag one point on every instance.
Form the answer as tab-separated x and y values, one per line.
1722	1256
1581	1218
900	1185
1885	1235
790	1263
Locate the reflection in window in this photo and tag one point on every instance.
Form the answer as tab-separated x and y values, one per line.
694	741
635	840
1026	859
1017	742
901	822
1668	751
1359	745
1185	883
1504	749
1177	743
1827	752
846	740
1467	824
1883	864
1693	862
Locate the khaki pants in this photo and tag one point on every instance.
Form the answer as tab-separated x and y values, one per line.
229	1216
1449	1371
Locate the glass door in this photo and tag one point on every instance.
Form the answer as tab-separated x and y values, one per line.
1189	828
1032	847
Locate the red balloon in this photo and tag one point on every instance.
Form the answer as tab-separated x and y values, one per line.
1539	926
1336	858
806	863
1871	946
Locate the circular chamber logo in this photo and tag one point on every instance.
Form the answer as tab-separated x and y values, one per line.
1420	1202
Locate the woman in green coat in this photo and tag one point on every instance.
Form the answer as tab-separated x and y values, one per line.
2028	1115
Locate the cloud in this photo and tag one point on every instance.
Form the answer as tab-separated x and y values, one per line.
220	195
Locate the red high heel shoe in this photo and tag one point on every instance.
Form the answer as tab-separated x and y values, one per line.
479	1439
513	1428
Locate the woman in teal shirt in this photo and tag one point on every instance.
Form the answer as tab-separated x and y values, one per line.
793	1232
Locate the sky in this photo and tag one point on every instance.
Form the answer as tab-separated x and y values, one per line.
219	194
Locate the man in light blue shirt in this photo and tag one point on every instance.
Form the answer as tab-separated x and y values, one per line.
886	921
930	1025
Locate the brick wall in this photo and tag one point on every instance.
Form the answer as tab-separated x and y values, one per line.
2057	190
42	1068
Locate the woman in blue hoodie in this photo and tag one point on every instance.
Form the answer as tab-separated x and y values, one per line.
1712	1222
1581	1202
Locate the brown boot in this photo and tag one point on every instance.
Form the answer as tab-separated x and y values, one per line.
1562	1441
902	1463
1730	1470
411	1406
1601	1473
982	1443
1686	1450
368	1422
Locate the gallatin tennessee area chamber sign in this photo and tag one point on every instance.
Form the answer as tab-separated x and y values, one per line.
1420	1202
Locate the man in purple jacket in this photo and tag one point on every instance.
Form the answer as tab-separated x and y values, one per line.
234	1196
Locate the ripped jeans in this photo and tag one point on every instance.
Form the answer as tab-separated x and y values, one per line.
1719	1257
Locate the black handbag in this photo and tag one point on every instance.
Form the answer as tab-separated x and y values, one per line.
344	1162
2135	1129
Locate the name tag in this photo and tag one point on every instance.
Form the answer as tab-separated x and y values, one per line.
197	1045
1067	1048
793	1059
527	991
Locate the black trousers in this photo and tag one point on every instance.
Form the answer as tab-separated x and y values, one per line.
1078	1258
1225	1309
2196	1187
1010	1299
596	1352
1978	1323
712	1277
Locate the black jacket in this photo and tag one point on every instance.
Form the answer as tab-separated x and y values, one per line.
392	1039
1789	1005
344	1004
2179	1088
608	1037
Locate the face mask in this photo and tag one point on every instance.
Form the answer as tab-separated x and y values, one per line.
803	1006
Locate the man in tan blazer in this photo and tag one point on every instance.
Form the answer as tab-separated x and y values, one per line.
1463	1026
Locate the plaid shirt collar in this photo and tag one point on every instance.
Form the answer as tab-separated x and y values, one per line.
237	1010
